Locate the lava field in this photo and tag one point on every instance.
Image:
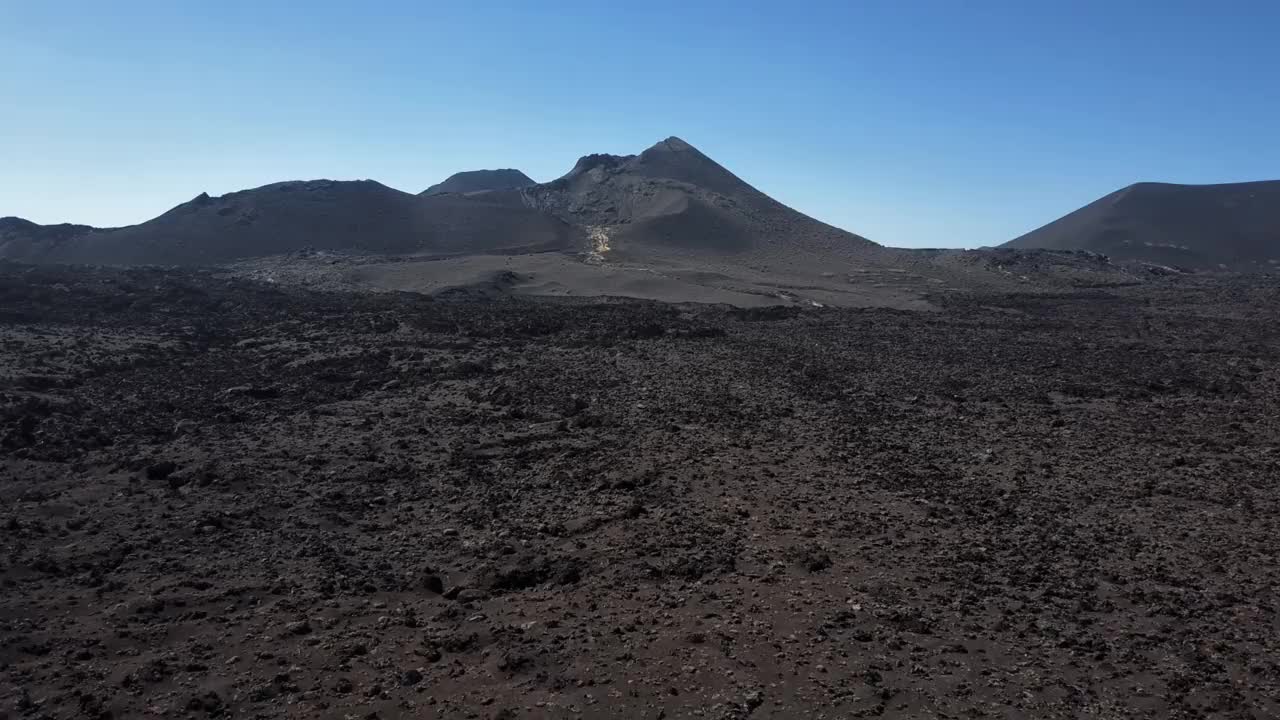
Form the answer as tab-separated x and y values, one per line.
226	499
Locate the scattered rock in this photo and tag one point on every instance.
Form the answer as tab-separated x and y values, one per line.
185	427
433	583
675	545
161	470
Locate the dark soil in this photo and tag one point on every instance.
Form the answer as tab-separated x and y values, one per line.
226	499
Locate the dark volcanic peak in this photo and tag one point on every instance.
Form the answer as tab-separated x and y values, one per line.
1234	225
671	144
670	159
480	181
672	200
606	162
676	159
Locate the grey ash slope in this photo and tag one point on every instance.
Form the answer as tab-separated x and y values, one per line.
472	181
347	216
1236	226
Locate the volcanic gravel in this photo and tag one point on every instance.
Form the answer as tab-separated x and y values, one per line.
226	499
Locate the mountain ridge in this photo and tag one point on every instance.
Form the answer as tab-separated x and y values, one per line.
469	181
359	216
670	201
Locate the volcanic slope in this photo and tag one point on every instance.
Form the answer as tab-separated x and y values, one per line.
1234	226
673	202
480	181
670	207
348	216
24	240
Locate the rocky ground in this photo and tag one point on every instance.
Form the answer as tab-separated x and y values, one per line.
225	499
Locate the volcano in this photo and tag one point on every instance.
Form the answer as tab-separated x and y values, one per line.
669	204
1232	226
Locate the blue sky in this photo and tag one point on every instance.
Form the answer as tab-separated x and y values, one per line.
928	123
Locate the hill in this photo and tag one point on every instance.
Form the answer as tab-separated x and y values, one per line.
24	240
671	205
342	216
1232	226
480	181
672	201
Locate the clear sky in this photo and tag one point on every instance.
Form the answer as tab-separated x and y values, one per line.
925	123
